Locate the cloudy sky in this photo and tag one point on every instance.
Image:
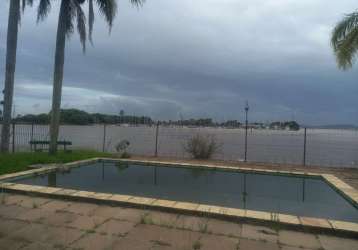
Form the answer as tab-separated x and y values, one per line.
199	58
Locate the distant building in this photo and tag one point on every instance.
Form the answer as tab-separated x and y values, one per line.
290	125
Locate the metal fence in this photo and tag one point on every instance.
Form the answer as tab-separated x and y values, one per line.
304	147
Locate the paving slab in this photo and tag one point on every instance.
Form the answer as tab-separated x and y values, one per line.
8	199
163	219
175	238
55	223
55	205
246	244
131	214
138	244
11	211
81	208
186	206
115	227
214	242
192	223
345	226
94	241
41	246
66	192
11	244
33	202
106	212
284	247
32	232
164	203
315	222
335	243
47	234
59	236
54	218
289	219
35	215
299	239
84	222
259	233
59	218
10	226
224	228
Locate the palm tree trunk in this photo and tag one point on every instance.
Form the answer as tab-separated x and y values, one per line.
12	30
58	77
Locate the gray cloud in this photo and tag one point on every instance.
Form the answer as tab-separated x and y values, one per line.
195	58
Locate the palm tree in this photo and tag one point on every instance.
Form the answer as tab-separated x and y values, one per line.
70	12
11	48
345	40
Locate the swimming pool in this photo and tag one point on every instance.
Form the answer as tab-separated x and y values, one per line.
295	195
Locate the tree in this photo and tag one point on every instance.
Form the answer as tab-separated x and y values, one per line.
345	40
11	49
70	12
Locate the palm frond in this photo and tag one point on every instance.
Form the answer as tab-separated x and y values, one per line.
26	2
90	20
346	50
345	40
43	9
19	12
81	25
70	12
108	8
137	3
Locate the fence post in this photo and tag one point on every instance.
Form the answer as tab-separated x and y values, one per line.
32	135
156	140
304	147
104	138
245	159
246	127
13	136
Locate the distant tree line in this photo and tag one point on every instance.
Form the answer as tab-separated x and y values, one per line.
80	117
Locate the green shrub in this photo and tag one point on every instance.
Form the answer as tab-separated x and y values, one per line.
202	146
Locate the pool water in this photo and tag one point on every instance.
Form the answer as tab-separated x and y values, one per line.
271	193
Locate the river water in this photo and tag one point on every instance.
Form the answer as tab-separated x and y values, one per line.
326	147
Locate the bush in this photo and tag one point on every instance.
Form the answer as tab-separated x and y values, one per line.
121	148
202	146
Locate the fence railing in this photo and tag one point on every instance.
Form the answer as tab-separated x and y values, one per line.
304	147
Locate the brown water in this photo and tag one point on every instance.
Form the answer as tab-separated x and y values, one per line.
324	147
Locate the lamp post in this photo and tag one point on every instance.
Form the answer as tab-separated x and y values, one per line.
246	127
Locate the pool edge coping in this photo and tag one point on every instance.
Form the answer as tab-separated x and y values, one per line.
298	222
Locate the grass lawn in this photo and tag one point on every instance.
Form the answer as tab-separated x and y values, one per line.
10	163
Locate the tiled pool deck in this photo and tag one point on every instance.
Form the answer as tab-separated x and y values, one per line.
32	221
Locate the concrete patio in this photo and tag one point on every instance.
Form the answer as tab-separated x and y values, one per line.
29	222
